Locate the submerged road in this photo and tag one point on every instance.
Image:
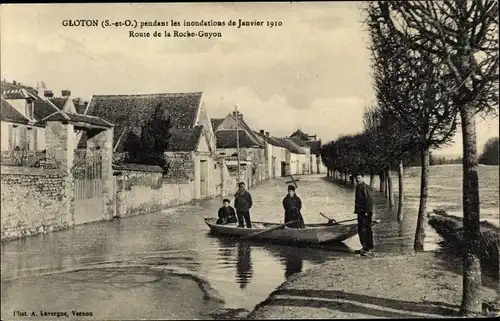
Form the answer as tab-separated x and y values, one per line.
165	265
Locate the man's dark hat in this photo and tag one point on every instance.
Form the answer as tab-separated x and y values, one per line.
291	188
226	200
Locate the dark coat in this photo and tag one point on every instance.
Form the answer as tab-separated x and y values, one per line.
226	215
293	206
363	202
243	201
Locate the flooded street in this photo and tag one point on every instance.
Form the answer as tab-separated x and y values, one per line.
165	265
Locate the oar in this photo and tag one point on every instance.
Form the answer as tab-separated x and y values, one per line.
329	219
246	237
332	221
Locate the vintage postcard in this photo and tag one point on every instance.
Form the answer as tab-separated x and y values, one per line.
170	161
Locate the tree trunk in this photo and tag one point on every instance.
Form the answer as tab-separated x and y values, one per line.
382	183
390	190
418	245
386	189
401	191
372	181
472	286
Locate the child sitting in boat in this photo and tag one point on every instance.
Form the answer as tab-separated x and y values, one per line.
226	213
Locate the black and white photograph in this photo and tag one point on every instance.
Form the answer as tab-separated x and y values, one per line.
250	160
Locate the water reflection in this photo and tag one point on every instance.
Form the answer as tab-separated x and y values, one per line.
293	265
237	254
244	264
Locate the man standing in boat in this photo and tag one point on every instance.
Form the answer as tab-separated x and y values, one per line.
243	203
292	205
363	207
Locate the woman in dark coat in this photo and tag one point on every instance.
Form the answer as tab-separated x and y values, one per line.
292	205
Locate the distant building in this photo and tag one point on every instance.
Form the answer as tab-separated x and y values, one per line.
315	164
252	148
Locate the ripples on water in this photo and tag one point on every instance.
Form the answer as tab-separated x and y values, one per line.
109	260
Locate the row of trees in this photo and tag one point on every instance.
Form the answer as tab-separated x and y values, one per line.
490	154
435	67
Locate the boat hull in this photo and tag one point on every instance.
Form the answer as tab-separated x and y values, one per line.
312	234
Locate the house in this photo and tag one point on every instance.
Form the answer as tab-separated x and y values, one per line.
315	147
252	147
276	154
292	156
23	111
305	161
191	151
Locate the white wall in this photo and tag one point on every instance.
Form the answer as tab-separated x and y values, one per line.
40	135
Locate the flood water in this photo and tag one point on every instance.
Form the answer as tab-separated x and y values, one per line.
105	267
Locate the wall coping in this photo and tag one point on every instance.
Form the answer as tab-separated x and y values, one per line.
138	168
30	171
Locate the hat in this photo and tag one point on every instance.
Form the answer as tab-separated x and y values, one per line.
291	188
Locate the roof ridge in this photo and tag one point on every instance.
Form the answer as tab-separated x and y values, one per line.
151	94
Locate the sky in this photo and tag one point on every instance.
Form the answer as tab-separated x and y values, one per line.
312	72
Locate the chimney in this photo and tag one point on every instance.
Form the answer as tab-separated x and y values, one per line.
48	93
262	132
267	133
65	93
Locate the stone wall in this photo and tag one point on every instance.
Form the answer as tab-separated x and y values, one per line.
142	189
34	201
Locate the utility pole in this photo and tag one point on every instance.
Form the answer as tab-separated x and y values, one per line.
237	140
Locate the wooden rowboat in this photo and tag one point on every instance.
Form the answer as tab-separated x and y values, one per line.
312	234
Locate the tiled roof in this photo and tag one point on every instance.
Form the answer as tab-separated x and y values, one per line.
300	135
298	142
9	86
270	139
78	118
129	112
259	137
43	109
216	122
17	94
243	124
227	139
290	145
9	113
184	139
59	102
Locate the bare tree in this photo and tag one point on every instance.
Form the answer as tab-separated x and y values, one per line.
463	36
410	86
387	140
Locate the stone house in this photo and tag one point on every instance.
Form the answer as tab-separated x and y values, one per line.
24	111
191	153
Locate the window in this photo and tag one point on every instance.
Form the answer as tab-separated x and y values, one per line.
29	109
32	138
14	137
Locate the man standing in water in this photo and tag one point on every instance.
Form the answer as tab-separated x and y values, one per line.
243	203
363	207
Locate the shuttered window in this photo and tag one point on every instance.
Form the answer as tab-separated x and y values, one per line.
32	137
15	137
10	135
23	141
